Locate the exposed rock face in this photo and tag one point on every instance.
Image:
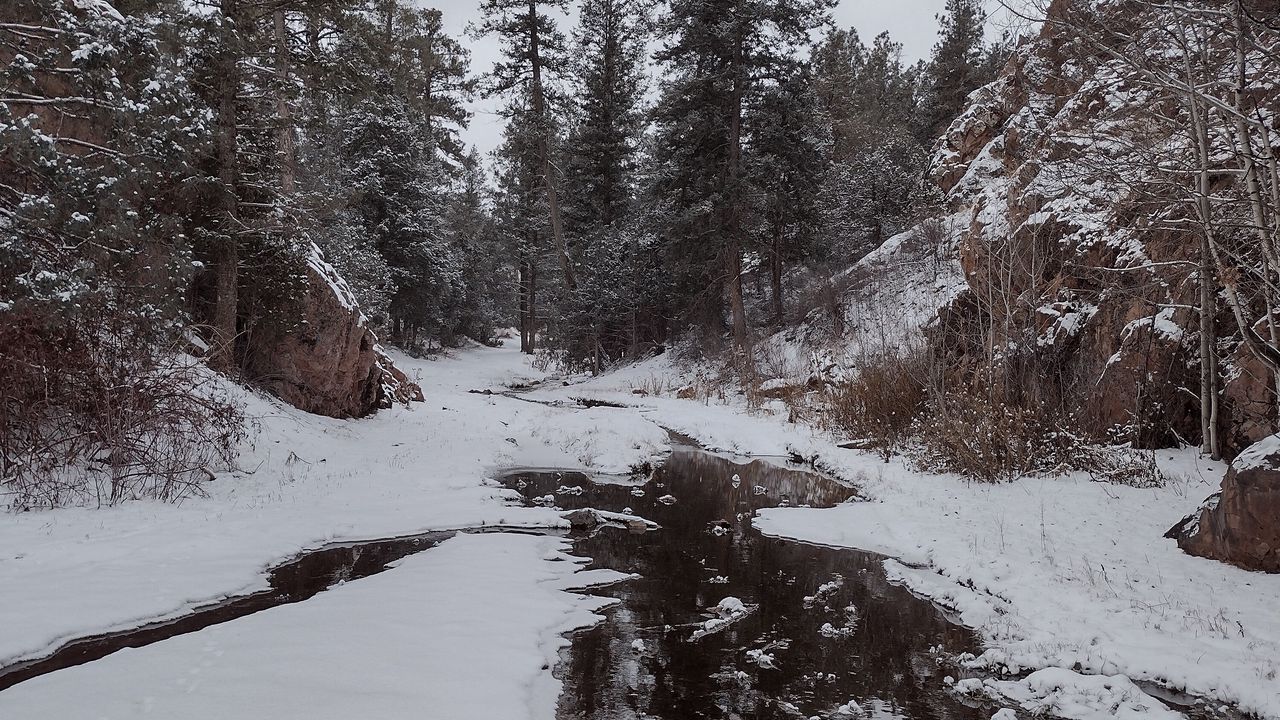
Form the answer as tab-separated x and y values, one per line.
396	386
331	364
1076	298
1241	523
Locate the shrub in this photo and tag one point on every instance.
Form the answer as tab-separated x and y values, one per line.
879	404
984	440
95	411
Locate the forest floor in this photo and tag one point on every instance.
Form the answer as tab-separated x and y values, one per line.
1052	573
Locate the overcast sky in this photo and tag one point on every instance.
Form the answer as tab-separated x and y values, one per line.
910	22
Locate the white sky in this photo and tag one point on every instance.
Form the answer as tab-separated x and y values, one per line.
910	22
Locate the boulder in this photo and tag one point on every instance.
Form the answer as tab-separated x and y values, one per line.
396	386
1240	524
330	362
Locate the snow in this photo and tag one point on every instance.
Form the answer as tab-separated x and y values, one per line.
762	659
1052	572
337	284
478	617
102	7
304	481
1066	694
730	606
1068	580
1258	454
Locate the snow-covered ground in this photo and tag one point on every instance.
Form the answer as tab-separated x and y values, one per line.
306	481
1053	573
467	629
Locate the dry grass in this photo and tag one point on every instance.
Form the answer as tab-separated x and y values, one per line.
879	405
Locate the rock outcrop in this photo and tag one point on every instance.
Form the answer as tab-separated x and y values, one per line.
1078	297
1241	523
330	363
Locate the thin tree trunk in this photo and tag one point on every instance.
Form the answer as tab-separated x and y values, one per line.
285	148
544	151
733	249
775	271
523	263
1208	305
533	303
634	345
227	260
1252	185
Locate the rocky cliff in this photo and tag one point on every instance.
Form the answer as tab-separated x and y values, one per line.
1082	284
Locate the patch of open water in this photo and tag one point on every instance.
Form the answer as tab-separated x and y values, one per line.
818	627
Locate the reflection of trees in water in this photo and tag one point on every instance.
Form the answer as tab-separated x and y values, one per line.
886	657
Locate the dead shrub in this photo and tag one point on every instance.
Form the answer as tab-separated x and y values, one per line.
990	441
95	409
879	403
982	439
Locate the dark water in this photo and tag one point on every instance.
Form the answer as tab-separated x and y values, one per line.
291	582
880	646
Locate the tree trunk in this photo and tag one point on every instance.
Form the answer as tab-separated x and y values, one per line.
1209	444
285	148
633	348
1208	305
523	264
226	261
733	226
775	271
1253	187
544	150
533	303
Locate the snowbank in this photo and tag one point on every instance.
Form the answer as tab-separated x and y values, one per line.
474	622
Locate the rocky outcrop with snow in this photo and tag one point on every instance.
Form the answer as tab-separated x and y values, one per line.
329	363
1077	296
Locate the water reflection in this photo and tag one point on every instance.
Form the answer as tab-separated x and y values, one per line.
828	629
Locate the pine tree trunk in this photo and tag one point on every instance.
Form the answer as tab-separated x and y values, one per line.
775	271
634	345
285	149
533	304
733	249
525	345
544	151
226	261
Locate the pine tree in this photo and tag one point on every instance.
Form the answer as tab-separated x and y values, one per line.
596	323
534	51
959	65
394	175
608	72
99	140
788	158
522	218
721	52
876	183
473	237
383	158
